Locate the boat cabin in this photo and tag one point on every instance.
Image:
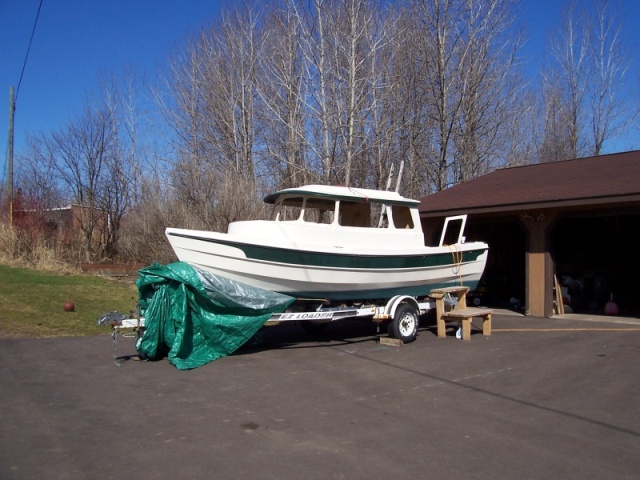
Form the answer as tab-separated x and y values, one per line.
346	207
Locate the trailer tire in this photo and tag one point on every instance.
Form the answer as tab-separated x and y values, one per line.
404	325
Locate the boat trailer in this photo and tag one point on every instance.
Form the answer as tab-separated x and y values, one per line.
402	313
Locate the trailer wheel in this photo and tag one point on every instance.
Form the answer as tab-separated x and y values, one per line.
404	325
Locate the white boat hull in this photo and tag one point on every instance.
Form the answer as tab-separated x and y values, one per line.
314	273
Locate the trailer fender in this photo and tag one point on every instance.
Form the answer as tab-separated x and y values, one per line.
392	305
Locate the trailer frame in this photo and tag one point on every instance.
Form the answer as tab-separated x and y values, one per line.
401	313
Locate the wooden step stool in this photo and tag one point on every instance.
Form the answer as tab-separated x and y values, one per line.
460	313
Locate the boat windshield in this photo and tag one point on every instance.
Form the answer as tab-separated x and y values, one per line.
350	213
288	209
312	210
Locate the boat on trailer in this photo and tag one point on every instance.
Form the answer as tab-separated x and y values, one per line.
337	244
341	252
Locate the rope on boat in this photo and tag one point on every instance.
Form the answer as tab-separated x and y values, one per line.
457	256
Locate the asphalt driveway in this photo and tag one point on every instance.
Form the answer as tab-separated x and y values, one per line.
538	399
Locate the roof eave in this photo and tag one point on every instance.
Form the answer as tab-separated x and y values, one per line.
516	207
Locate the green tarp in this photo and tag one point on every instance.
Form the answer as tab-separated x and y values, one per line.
194	317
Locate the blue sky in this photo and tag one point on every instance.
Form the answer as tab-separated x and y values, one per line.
76	40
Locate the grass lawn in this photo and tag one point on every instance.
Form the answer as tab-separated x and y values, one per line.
31	303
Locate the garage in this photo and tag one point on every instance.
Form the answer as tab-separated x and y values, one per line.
574	221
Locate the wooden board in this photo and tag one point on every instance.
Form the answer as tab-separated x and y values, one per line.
558	303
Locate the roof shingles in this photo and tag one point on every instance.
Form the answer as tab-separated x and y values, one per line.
614	175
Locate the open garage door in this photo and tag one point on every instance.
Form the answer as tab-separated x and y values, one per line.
597	257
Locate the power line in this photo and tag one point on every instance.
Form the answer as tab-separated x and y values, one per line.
26	57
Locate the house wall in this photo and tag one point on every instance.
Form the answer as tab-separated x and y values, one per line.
64	225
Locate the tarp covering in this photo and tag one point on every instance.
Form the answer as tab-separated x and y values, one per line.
195	317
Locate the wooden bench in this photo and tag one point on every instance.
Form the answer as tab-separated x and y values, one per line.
461	313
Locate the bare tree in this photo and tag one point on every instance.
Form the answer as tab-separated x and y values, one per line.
584	81
608	112
204	105
322	129
468	62
36	177
489	92
89	163
337	91
373	80
525	129
226	84
353	50
557	142
384	126
570	50
79	154
282	92
123	164
213	115
441	69
37	194
409	106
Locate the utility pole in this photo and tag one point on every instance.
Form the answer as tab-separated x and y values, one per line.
12	108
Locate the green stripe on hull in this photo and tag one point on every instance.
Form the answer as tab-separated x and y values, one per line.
351	261
385	293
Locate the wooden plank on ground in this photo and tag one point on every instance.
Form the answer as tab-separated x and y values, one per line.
391	342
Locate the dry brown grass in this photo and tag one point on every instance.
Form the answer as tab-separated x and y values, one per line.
34	252
8	244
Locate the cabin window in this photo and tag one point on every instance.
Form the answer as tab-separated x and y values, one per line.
289	209
401	216
355	214
319	210
317	215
